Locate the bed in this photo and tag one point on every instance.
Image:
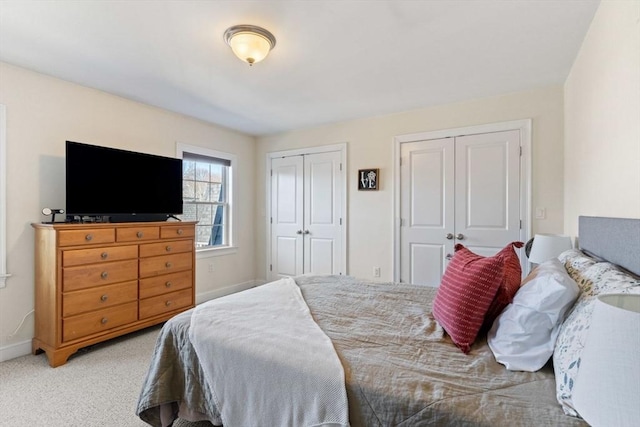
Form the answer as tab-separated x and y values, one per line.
399	367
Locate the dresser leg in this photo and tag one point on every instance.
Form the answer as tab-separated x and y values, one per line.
55	357
60	357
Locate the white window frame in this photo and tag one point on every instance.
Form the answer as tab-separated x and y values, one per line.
3	197
230	247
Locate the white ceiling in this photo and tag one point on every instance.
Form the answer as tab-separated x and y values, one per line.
334	60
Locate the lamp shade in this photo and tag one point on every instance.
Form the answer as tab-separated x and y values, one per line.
548	246
607	387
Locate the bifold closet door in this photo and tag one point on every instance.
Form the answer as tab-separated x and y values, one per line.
457	190
306	204
487	212
427	203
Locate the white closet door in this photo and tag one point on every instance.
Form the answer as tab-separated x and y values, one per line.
487	191
457	190
322	210
287	221
427	203
306	210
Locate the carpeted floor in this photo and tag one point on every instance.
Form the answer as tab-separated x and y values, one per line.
98	386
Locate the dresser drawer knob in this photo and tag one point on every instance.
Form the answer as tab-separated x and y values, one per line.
168	303
104	255
88	237
104	275
168	248
168	264
179	231
104	321
168	284
139	234
104	297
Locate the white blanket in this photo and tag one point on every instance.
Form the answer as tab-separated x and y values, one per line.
267	361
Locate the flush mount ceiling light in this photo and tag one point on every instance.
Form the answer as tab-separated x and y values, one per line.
249	43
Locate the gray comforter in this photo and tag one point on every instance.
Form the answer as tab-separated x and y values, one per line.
400	369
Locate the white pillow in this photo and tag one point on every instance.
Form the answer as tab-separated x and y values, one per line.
523	337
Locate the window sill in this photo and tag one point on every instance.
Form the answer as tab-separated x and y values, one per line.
213	252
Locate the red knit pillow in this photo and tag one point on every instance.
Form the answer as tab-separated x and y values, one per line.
468	288
510	283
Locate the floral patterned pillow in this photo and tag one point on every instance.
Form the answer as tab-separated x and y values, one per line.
576	263
597	278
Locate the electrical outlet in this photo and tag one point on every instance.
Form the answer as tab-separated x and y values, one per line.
211	268
376	271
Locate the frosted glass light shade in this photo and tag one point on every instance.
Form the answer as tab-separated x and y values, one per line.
607	387
548	246
249	43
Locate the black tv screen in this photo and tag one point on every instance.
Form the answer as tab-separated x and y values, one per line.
121	184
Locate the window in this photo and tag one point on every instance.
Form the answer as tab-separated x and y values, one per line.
207	195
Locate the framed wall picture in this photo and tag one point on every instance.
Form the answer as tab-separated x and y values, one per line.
368	179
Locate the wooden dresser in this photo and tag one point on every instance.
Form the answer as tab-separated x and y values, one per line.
94	282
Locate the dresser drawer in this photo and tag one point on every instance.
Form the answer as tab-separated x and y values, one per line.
86	236
98	321
165	303
165	248
96	255
88	276
167	283
176	231
97	298
158	265
137	234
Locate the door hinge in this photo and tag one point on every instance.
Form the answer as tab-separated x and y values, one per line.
340	166
340	221
271	172
270	267
521	151
271	220
520	224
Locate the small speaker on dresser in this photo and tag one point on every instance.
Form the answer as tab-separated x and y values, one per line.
52	212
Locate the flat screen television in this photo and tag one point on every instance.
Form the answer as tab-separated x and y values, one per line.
121	185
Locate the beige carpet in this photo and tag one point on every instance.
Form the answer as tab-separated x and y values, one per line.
98	386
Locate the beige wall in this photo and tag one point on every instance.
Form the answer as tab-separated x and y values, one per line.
43	112
602	118
370	145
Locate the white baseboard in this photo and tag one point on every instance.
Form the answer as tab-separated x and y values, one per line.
12	351
23	348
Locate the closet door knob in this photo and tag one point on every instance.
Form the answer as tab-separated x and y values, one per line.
449	236
307	232
449	256
460	236
299	232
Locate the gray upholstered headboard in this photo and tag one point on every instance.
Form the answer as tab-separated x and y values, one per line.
616	240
